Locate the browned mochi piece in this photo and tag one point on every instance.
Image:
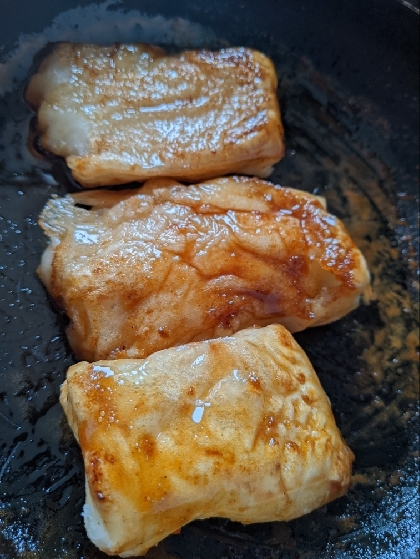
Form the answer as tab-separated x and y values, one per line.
238	427
127	113
165	265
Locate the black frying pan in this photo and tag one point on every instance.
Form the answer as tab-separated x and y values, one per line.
349	96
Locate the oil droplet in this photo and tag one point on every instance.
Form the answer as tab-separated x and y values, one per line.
101	369
198	412
85	237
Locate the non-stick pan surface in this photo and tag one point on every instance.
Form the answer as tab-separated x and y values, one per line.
348	88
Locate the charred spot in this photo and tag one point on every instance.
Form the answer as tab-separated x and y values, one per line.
163	333
301	378
213	452
336	490
308	399
94	471
191	391
225	321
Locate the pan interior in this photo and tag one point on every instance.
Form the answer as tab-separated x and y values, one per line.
338	147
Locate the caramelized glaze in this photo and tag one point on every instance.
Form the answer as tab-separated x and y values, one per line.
265	445
131	112
163	266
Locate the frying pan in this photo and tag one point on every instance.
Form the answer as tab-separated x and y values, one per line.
348	89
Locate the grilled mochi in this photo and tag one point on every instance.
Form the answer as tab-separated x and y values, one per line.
238	427
165	265
127	113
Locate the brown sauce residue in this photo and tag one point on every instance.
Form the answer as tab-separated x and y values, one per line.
368	362
147	446
391	351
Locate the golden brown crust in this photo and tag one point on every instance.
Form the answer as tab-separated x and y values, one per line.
130	112
170	265
238	427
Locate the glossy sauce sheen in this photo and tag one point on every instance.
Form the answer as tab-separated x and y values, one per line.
130	112
169	264
238	427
